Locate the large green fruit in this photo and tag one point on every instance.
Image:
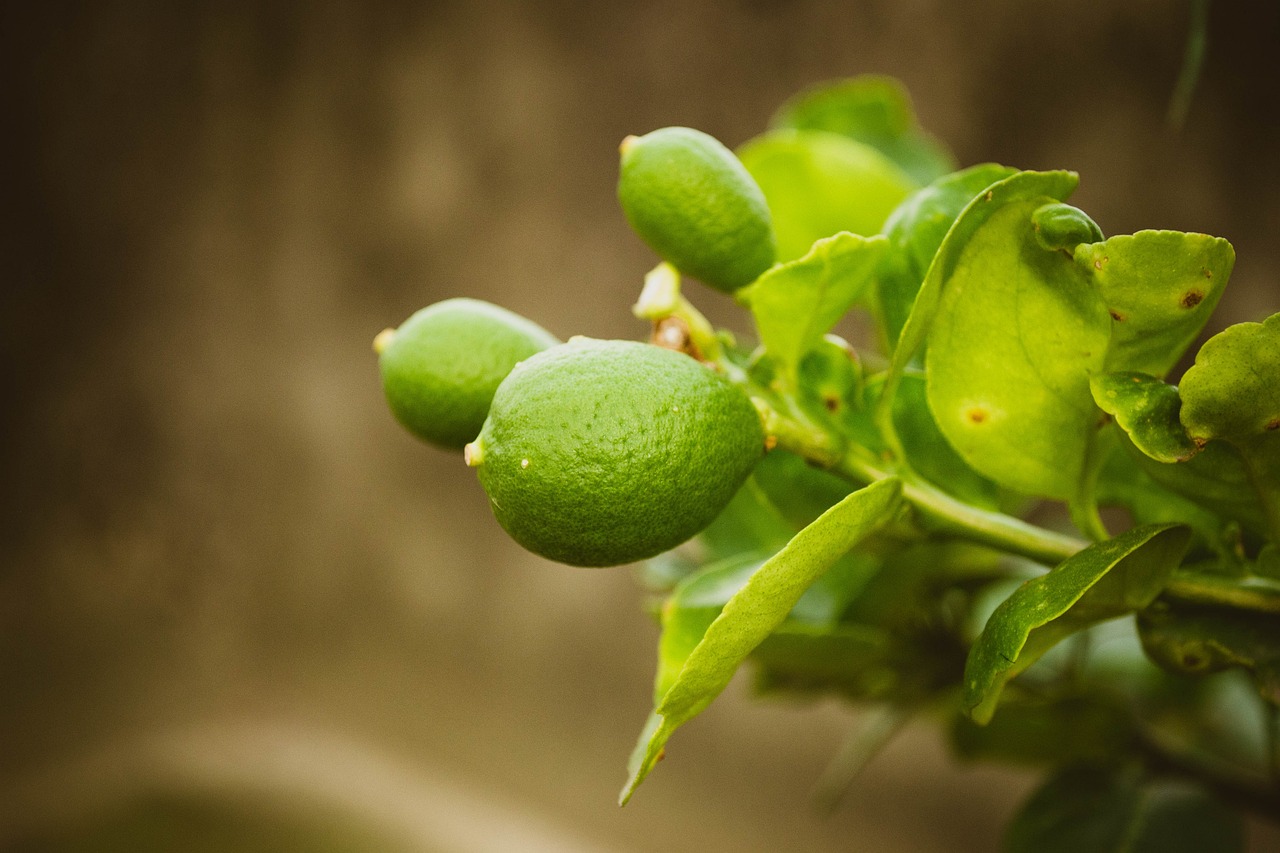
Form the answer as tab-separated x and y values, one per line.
694	203
597	453
442	366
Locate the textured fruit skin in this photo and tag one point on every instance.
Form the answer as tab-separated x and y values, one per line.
598	453
443	365
692	201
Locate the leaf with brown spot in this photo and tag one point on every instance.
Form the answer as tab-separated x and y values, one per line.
1162	285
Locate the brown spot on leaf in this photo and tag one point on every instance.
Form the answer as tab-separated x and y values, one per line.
1117	316
1192	298
1208	273
976	415
832	403
1098	262
990	195
1273	424
1192	661
770	442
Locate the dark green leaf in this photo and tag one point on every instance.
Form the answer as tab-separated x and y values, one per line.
819	184
798	490
757	609
874	110
1106	580
1083	809
796	303
1124	482
1147	409
1215	479
800	657
1088	728
749	524
1160	287
1199	640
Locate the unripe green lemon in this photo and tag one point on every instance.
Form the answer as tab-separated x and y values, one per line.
597	453
694	203
442	366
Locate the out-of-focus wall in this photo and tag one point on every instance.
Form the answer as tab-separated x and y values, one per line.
226	573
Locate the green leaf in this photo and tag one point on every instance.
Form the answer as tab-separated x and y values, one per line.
1147	409
874	110
1232	393
1159	287
1106	580
830	379
804	658
799	491
981	207
915	231
1018	333
1199	640
796	303
757	609
819	184
931	455
749	524
1216	478
1124	482
1036	731
1086	809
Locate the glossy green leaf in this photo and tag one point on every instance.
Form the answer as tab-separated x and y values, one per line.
1018	333
915	231
1106	580
1159	287
1199	640
796	303
819	184
1147	409
1232	393
874	110
756	610
1087	809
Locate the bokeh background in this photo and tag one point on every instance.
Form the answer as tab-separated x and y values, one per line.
240	609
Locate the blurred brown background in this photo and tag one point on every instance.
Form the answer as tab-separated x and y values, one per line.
238	602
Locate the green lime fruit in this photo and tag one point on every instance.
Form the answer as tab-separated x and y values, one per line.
597	453
694	203
441	368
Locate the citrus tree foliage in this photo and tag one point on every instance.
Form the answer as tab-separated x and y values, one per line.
863	518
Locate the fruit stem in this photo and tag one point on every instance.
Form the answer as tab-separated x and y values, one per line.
661	299
383	340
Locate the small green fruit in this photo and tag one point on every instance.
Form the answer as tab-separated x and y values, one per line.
441	367
694	203
597	453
